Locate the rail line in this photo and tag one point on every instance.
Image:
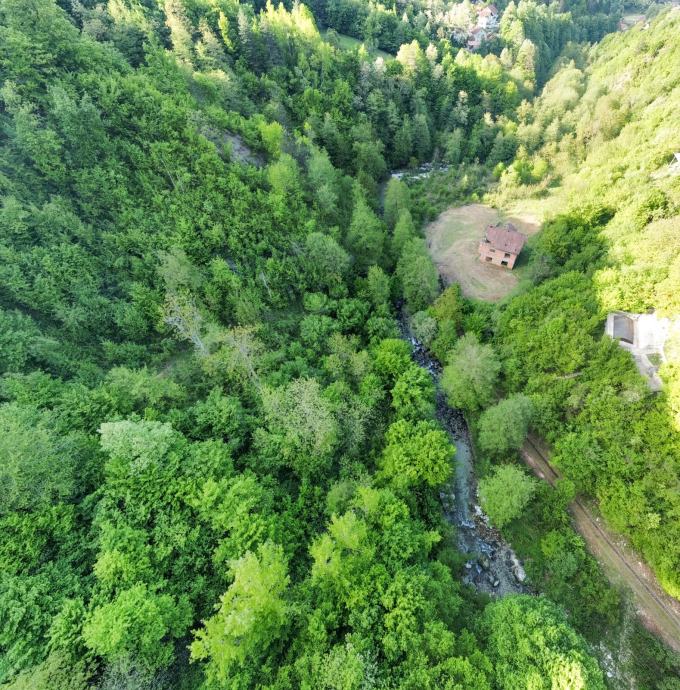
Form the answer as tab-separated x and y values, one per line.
657	610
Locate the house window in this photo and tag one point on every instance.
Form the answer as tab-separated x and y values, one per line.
488	258
504	263
493	251
507	256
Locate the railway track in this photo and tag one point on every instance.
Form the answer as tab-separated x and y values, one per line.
658	611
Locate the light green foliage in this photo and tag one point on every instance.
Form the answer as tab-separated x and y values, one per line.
251	615
416	453
447	309
397	202
417	274
324	183
445	340
391	358
448	306
404	231
504	426
138	448
272	137
505	493
326	262
138	622
378	287
365	236
345	668
284	176
413	394
532	645
470	376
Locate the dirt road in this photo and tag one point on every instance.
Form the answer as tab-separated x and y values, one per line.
659	612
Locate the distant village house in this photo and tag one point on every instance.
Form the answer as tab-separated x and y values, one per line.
488	17
485	28
501	245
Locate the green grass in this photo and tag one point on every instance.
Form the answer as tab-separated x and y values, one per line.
350	43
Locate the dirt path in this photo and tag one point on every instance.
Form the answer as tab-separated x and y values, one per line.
659	612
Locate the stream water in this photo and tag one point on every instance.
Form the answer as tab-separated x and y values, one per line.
492	566
419	173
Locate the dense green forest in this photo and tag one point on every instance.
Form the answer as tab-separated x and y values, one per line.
220	467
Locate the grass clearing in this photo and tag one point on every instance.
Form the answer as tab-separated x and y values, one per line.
350	43
453	239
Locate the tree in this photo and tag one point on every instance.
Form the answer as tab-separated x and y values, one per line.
453	146
424	327
417	274
365	236
403	142
449	305
413	394
397	201
505	493
138	622
180	30
404	231
326	262
470	376
504	426
422	142
416	453
302	422
36	463
252	614
378	287
324	184
532	645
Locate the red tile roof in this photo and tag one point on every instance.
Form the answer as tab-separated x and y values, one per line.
505	238
487	11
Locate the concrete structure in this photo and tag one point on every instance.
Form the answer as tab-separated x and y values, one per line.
501	245
644	336
675	164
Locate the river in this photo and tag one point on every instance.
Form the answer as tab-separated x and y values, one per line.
419	173
492	566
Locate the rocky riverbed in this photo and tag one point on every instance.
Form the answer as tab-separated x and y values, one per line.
492	566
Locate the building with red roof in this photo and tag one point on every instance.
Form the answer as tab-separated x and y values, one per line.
501	245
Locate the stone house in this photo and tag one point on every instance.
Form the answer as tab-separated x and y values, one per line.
477	36
488	18
501	245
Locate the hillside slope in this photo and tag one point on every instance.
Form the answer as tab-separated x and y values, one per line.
595	157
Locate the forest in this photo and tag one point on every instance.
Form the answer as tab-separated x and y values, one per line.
220	465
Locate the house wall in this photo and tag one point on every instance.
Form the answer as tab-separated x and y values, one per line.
496	257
